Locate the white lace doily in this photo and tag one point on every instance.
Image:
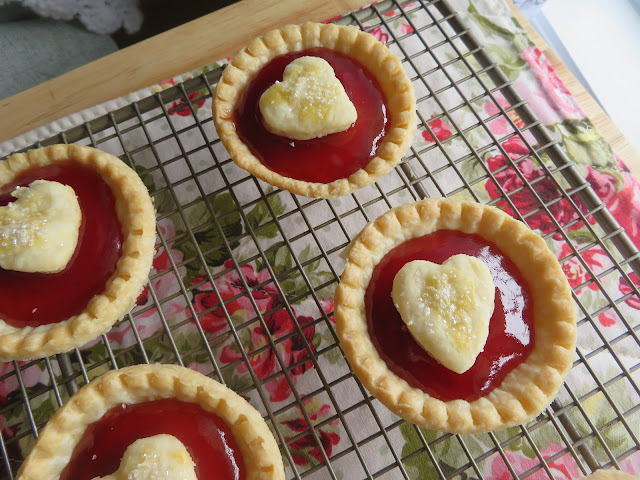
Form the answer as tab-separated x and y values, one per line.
99	16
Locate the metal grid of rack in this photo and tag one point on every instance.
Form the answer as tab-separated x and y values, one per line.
149	136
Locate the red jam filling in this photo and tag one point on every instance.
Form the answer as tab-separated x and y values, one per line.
511	333
324	159
206	437
33	299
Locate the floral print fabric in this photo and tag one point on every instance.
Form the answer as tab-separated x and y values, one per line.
243	298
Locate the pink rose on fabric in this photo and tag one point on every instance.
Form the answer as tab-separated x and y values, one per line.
327	306
229	286
557	95
623	205
204	369
595	258
440	128
379	34
406	28
524	200
166	283
563	468
515	147
500	126
631	465
625	289
607	319
30	376
307	443
292	350
604	184
181	107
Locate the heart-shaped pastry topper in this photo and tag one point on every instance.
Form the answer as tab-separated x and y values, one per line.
447	307
39	231
310	102
160	457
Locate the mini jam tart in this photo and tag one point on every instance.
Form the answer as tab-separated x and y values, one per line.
335	164
225	437
532	331
46	313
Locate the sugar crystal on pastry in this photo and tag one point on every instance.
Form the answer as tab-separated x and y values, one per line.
309	102
160	457
447	307
39	231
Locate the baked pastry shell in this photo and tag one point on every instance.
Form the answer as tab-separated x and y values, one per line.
359	45
136	216
527	389
143	383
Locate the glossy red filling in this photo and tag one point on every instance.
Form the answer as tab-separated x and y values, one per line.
325	159
33	299
511	333
206	437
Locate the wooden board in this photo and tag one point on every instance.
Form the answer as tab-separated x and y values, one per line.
187	47
210	38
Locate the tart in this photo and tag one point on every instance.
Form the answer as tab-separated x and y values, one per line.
329	165
48	312
532	330
106	420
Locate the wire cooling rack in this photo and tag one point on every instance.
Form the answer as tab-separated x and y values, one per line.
156	136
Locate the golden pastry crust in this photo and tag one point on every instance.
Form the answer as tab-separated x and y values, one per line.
526	390
137	222
610	474
362	47
142	383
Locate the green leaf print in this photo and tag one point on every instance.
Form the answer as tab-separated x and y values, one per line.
585	145
191	346
581	236
522	444
420	466
289	275
98	352
487	26
334	355
507	59
472	170
160	350
238	382
602	414
312	270
162	201
209	239
260	215
280	259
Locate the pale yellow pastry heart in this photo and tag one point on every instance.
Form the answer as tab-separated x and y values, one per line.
39	231
160	457
447	308
310	102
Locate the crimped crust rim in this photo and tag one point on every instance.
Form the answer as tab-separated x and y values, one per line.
141	383
526	390
136	216
362	47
